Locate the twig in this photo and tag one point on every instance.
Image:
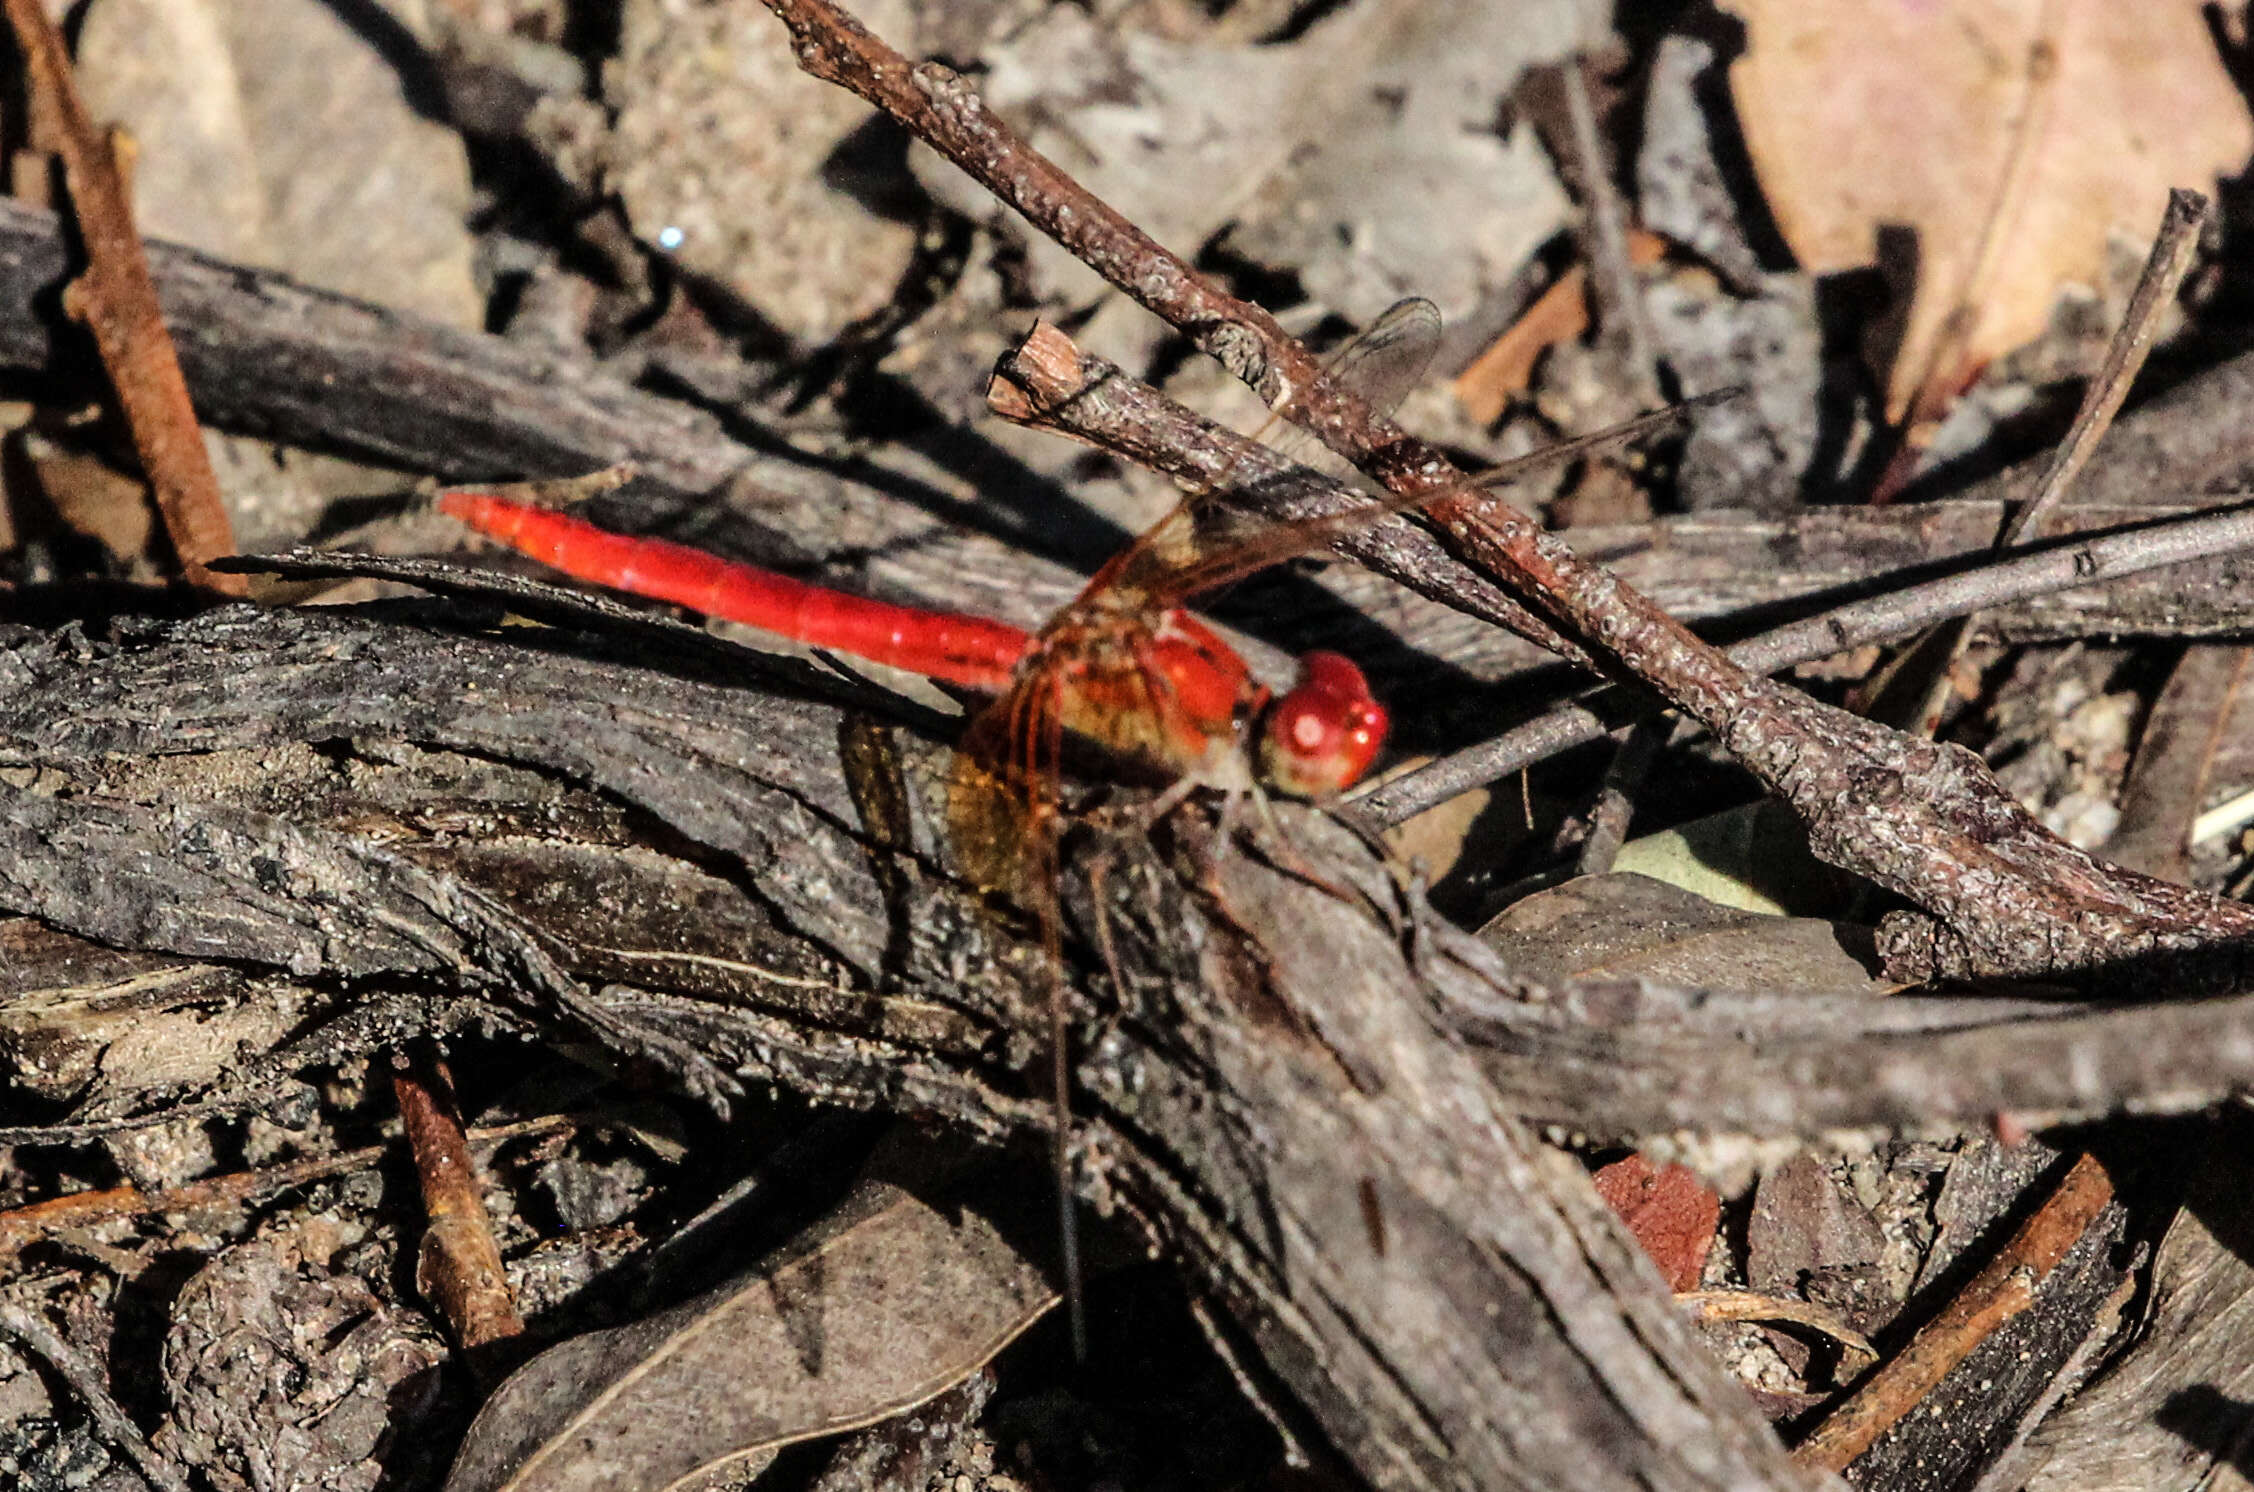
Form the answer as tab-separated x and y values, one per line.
20	1226
1050	384
939	107
1999	1292
1615	806
117	300
88	1381
2000	894
1622	319
2090	560
24	1225
460	1267
1745	1305
2164	267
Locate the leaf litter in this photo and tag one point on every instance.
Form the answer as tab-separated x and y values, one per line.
785	237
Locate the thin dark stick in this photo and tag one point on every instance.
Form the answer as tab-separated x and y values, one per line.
1615	807
1620	304
2092	561
2164	269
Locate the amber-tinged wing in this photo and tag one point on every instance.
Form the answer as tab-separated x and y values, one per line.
1002	793
1382	364
1002	801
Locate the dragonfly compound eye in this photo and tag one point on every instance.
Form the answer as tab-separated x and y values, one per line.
1322	735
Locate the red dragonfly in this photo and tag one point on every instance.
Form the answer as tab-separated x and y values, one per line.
1123	666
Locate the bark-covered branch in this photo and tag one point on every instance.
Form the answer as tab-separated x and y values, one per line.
1320	1100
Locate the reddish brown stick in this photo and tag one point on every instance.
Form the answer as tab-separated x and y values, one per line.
34	1220
460	1269
117	300
22	1225
1999	1292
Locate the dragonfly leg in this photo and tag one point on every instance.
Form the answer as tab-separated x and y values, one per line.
1282	849
1177	793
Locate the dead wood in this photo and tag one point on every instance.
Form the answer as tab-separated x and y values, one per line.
2004	1288
865	976
265	355
1320	1103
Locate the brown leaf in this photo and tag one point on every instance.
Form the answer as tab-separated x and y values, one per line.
885	1304
1671	1212
2058	121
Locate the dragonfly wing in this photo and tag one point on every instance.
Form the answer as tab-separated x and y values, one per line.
1382	364
1004	804
1273	545
1002	794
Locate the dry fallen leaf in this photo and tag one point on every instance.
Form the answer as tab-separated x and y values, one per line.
886	1303
1559	314
2059	122
1671	1212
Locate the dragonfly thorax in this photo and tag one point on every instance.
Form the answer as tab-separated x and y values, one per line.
1178	698
1172	696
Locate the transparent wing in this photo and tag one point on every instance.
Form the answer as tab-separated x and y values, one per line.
1218	566
1003	803
1382	364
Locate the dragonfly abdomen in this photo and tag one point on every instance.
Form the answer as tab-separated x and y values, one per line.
969	651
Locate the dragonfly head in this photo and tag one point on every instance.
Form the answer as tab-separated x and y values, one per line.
1321	735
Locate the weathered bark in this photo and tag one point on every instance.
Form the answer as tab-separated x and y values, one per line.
1281	1099
686	865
